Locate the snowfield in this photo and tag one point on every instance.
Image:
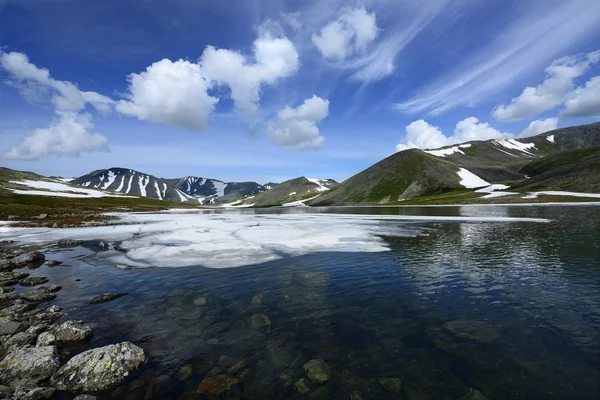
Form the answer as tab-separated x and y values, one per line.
470	180
224	240
60	190
448	151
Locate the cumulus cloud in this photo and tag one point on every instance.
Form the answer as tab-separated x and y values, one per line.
275	58
584	101
171	93
560	80
422	135
68	134
297	127
539	126
177	92
349	34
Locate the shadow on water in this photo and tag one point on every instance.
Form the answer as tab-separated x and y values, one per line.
509	309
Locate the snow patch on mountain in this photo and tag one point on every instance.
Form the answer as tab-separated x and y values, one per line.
470	180
58	190
322	183
448	151
513	144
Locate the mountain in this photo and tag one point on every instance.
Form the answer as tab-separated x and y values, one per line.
188	189
294	190
573	170
412	173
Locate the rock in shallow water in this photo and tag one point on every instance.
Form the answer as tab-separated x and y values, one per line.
106	297
33	281
28	366
317	370
41	393
72	331
474	330
45	339
260	322
215	385
11	278
302	385
99	369
392	385
38	295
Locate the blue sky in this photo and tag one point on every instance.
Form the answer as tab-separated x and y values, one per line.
270	90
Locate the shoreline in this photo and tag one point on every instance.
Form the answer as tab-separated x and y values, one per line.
37	338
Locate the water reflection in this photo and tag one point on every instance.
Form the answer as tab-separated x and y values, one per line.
511	310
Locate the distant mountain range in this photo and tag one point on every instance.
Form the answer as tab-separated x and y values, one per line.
188	189
296	190
550	161
565	159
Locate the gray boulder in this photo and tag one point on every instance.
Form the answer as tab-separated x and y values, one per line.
33	281
99	369
40	393
10	327
53	263
29	365
68	243
11	277
72	331
45	339
38	295
21	339
34	256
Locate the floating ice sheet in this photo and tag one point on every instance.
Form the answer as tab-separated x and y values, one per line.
235	239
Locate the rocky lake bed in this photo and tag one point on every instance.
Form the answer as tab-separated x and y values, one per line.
447	312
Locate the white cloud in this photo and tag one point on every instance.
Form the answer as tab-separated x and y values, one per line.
292	19
541	32
349	34
422	135
561	75
540	126
297	127
275	58
68	134
584	101
170	92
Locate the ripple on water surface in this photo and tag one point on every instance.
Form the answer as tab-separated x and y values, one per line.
511	310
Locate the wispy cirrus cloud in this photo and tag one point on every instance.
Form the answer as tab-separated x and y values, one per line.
541	33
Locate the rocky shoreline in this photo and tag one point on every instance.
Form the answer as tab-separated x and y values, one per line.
33	335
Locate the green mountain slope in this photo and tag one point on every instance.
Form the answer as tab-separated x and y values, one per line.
573	170
413	173
290	191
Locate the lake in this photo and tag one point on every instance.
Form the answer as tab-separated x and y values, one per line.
455	308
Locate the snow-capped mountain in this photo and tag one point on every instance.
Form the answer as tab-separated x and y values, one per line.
188	189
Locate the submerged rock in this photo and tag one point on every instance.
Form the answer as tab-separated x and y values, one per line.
473	394
53	263
200	301
29	365
302	385
185	372
99	369
317	371
6	265
257	299
33	281
85	397
106	297
474	330
392	385
260	322
215	385
72	331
